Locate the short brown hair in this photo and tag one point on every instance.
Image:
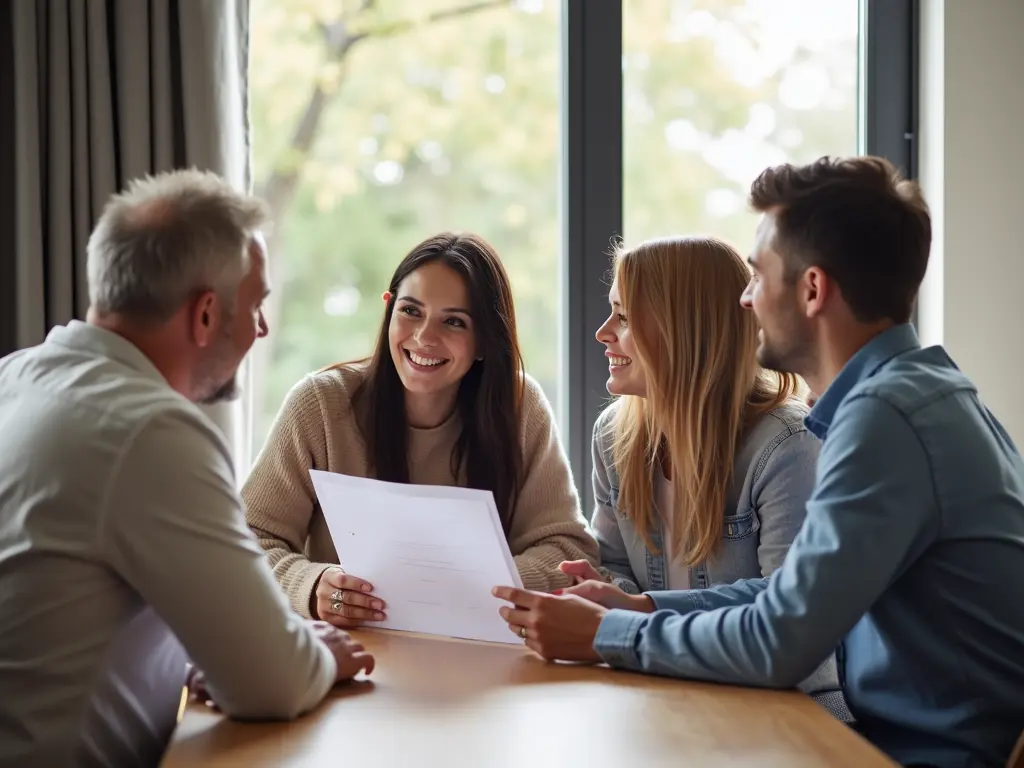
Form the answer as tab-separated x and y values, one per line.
860	221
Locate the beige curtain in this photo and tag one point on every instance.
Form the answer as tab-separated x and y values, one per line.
94	93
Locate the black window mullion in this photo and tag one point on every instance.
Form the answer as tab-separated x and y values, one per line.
890	88
592	212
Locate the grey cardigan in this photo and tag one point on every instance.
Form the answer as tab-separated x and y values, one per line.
774	474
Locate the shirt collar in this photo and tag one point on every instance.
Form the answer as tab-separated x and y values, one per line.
864	363
77	335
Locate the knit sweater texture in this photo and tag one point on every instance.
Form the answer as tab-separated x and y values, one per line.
316	428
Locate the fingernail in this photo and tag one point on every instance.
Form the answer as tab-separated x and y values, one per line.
379	616
367	588
378	604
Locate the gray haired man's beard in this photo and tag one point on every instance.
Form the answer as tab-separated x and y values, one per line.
211	385
227	391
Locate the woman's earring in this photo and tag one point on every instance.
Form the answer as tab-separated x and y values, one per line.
479	359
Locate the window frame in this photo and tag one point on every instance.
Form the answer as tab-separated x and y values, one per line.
889	90
592	177
592	214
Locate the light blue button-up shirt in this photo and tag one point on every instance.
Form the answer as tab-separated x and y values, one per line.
911	561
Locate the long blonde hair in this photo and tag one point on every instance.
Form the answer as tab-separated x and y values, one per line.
697	346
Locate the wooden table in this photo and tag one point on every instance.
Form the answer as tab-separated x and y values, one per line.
438	702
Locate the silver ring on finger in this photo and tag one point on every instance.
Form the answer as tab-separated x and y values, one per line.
336	596
336	606
522	632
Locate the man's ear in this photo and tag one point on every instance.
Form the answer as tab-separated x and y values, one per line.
205	320
816	289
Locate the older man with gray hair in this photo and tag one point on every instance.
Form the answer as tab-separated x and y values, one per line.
124	552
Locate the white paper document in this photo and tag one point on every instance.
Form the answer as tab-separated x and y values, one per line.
432	553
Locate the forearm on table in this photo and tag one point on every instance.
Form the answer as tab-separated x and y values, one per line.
242	705
260	660
288	696
295	669
796	617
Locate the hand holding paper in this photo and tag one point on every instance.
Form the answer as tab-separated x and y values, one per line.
433	553
555	627
345	600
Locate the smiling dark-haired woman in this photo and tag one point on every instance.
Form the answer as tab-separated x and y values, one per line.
443	400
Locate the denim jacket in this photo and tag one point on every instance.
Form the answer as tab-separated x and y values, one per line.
773	477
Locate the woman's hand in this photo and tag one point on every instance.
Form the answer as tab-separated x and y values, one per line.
590	584
580	570
553	627
345	600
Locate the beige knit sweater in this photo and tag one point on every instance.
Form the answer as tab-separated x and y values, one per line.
316	429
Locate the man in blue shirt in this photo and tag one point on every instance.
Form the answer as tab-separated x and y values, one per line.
911	559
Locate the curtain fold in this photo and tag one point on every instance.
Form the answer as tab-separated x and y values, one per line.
95	93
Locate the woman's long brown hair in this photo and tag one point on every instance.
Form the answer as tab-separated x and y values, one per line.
490	395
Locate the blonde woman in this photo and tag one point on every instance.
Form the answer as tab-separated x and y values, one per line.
702	465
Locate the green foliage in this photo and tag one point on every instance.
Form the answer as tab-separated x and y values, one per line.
453	123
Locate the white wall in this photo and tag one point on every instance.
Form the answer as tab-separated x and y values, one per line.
972	170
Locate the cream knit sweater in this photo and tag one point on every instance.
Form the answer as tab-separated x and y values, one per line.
316	429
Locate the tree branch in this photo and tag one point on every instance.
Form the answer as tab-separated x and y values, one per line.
405	25
280	187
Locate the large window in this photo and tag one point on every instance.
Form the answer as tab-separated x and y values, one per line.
550	127
376	125
715	91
